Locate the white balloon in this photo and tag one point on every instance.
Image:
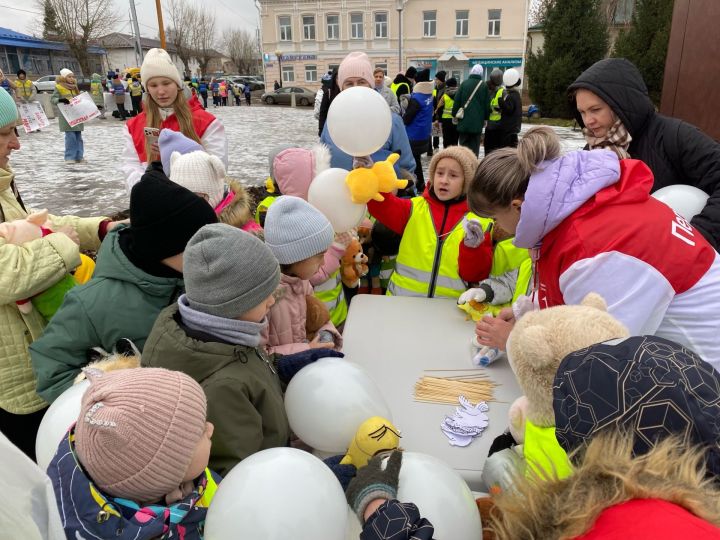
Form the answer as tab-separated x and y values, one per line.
327	401
62	414
687	201
359	121
275	494
330	194
441	495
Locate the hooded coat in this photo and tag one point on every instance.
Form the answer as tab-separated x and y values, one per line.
675	151
595	228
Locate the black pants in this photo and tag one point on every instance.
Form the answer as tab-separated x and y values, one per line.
121	110
418	149
21	429
204	98
450	132
137	104
247	99
470	140
493	140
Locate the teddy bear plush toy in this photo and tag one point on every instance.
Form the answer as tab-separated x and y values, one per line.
538	343
316	317
353	264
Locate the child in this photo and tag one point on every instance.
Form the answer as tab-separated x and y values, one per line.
213	334
134	466
443	245
138	273
66	88
298	235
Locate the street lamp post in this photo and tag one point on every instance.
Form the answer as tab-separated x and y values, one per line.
399	5
279	57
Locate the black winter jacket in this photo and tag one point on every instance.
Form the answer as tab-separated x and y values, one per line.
675	151
511	111
403	89
394	520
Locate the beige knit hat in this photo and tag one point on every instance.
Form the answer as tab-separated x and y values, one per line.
200	173
138	429
355	64
158	63
464	156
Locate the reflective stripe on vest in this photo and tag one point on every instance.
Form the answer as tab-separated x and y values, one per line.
263	206
427	265
495	106
394	87
509	258
449	103
332	295
387	267
543	454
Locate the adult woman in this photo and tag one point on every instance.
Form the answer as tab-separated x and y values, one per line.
474	99
26	270
166	107
614	109
356	70
593	227
66	88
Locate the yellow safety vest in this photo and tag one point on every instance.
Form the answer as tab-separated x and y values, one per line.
332	295
96	89
136	89
262	208
65	93
427	264
387	267
394	87
543	454
495	106
449	103
509	258
24	88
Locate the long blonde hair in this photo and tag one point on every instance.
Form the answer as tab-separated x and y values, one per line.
504	174
154	119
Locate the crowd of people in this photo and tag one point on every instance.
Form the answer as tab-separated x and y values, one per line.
198	313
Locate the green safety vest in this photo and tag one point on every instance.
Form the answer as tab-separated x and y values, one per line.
394	87
330	292
543	454
426	265
449	103
495	106
387	267
509	258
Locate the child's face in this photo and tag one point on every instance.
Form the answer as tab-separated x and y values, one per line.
202	454
307	268
508	218
259	312
449	179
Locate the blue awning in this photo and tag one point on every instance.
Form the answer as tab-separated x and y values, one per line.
10	38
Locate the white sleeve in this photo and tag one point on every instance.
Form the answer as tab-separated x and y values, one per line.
215	142
636	293
318	103
130	165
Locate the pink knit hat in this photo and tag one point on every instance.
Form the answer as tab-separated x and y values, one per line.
294	169
355	64
138	429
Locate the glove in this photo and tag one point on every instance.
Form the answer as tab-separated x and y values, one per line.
501	442
362	161
479	295
64	100
474	234
371	482
287	366
344	239
344	473
126	347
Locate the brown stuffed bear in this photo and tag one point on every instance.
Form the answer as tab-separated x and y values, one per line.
317	316
353	264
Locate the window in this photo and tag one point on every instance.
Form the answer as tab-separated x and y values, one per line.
381	25
382	66
288	74
308	22
356	25
461	23
429	23
333	67
494	22
285	28
333	27
311	74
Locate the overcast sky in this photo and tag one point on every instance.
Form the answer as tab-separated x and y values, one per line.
230	13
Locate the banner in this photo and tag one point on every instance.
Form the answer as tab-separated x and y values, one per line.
32	116
80	109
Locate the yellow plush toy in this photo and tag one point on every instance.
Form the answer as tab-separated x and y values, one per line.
376	434
366	184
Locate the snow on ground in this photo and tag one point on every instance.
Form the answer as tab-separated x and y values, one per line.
97	187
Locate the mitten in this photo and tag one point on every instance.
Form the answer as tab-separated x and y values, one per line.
478	295
287	366
344	473
64	100
372	482
474	234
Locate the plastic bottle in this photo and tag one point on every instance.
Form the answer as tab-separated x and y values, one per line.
483	356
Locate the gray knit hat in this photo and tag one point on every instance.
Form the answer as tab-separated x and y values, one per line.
295	230
228	271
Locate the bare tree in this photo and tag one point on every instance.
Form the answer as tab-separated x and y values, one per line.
203	39
79	22
538	11
182	17
241	48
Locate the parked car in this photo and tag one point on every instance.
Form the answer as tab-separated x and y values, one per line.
47	83
303	96
254	83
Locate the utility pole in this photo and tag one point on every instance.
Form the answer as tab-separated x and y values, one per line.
399	5
136	31
161	26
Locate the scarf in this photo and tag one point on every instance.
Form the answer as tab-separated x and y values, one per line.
617	139
166	112
228	330
68	86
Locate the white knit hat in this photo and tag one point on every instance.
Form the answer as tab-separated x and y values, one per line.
65	72
199	172
477	69
158	63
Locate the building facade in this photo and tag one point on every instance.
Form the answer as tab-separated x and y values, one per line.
120	51
303	39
